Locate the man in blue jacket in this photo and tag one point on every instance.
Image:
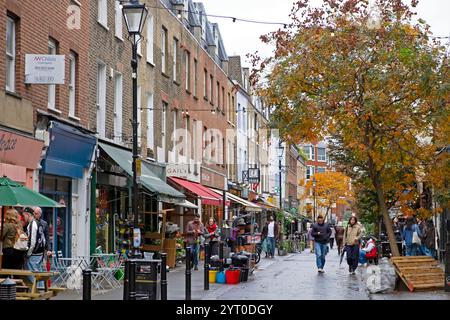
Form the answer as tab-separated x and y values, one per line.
321	232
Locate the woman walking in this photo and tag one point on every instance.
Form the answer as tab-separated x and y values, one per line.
212	236
352	236
411	235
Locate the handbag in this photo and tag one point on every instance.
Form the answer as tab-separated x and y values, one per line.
416	238
21	243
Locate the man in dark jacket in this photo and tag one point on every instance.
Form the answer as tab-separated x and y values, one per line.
321	232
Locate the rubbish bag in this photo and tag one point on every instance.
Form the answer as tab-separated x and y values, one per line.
380	278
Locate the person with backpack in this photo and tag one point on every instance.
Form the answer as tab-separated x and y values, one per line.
352	236
36	244
38	216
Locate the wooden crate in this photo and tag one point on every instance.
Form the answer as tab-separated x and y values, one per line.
419	272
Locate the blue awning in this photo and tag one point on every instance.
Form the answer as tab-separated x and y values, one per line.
70	151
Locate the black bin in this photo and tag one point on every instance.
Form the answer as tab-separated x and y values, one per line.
244	274
240	261
146	279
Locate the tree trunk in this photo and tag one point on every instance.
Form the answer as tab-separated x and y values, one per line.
382	205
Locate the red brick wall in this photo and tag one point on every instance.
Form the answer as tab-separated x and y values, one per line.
37	21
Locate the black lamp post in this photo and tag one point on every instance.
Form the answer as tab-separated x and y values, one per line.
314	194
280	157
135	15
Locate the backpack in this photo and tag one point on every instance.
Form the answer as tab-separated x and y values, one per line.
40	244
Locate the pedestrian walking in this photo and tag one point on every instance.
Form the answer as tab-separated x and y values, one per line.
36	247
321	232
194	231
13	241
429	239
411	236
310	240
270	234
352	237
333	235
339	237
212	236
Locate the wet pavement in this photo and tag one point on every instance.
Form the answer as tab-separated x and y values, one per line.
292	277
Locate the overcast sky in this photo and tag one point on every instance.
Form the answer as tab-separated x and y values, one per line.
241	38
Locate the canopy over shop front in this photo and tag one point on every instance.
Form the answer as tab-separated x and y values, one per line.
248	206
148	179
207	196
261	202
187	204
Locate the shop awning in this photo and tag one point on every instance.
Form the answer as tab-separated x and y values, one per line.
266	205
148	179
248	206
70	151
204	193
187	204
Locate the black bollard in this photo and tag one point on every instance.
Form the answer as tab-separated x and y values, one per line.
163	276
188	273
221	259
132	281
126	281
87	284
206	270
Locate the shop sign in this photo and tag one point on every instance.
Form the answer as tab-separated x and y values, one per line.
184	171
44	69
19	150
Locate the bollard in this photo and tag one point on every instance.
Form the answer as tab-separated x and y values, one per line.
132	280
126	281
206	267
188	273
87	284
221	260
163	276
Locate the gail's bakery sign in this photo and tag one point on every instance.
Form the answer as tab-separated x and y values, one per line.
184	171
19	150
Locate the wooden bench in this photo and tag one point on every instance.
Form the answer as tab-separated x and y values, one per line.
34	292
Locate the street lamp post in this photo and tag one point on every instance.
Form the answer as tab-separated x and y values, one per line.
314	194
280	157
135	15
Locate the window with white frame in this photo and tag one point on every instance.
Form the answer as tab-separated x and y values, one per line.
188	70
72	84
150	39
10	54
175	59
101	99
150	124
312	153
321	154
103	12
163	49
195	77
118	105
187	143
52	49
310	170
118	20
321	169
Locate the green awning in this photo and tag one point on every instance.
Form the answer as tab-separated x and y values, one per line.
149	180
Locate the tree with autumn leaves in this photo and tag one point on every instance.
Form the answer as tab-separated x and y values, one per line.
331	188
370	78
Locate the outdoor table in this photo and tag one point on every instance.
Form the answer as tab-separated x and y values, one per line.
38	276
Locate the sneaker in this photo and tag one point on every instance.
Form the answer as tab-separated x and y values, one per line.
353	272
320	271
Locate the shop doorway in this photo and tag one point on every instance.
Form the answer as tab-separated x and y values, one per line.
58	219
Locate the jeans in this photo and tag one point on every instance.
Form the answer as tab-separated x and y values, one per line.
195	253
352	256
321	250
34	263
271	241
412	250
362	257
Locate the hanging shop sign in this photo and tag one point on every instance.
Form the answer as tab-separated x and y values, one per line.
44	69
253	175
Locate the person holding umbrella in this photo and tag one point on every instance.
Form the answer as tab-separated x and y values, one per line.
352	236
321	232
